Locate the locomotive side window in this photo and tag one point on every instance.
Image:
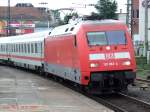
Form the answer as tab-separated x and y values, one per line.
96	38
116	37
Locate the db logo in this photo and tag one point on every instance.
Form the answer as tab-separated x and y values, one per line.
109	56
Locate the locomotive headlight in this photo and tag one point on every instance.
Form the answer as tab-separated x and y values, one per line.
92	65
127	63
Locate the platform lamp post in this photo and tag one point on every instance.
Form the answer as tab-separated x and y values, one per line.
8	18
146	28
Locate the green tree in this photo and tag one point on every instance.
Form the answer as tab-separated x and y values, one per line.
106	9
69	16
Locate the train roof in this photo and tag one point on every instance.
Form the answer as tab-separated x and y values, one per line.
32	37
73	28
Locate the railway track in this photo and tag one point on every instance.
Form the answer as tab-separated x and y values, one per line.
143	80
117	102
123	103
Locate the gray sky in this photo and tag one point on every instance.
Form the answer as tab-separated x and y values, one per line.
55	4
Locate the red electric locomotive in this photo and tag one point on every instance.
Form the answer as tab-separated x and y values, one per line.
98	55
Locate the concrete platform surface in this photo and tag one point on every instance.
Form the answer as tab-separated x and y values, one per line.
22	91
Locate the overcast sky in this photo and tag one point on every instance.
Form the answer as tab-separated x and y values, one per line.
55	4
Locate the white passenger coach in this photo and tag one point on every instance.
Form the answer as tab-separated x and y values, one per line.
24	50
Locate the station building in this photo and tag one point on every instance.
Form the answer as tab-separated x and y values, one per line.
23	18
142	20
135	19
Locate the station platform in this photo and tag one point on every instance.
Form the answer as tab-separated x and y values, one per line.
22	91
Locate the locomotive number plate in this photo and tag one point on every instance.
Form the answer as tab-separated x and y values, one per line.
109	56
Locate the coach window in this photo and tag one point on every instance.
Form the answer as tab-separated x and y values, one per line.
0	48
32	49
16	48
25	50
22	48
3	48
28	48
6	47
36	48
19	48
11	48
41	47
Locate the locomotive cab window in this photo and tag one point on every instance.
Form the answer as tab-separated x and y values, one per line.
116	37
96	38
106	38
